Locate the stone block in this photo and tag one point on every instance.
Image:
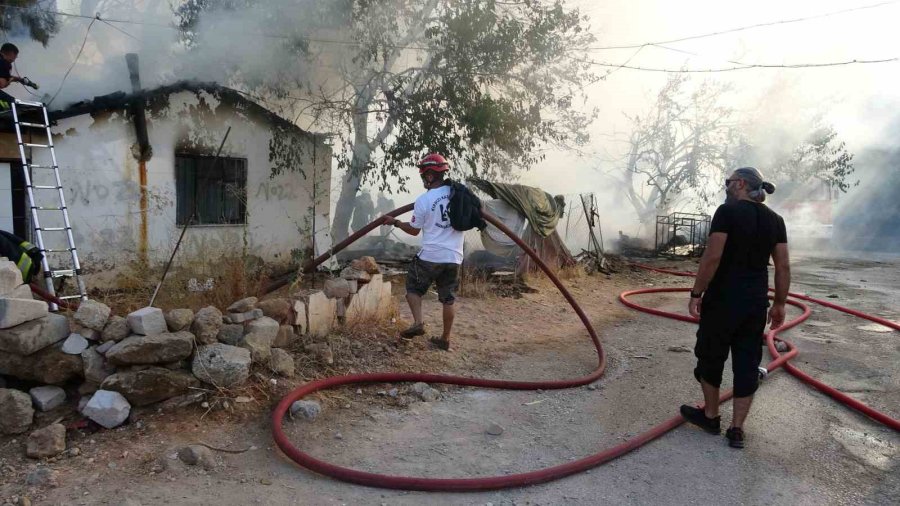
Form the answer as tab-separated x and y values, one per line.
107	408
96	368
18	311
206	325
364	305
10	277
260	346
337	288
386	301
103	348
366	264
340	308
285	337
320	313
352	274
115	330
151	385
231	334
354	286
251	315
155	349
179	319
92	314
147	321
264	325
277	309
20	292
282	363
74	344
243	305
47	397
16	410
86	332
221	365
49	366
35	335
300	315
47	442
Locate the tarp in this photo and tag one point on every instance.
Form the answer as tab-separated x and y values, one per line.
539	207
496	241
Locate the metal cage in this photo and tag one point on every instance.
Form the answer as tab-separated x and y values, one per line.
681	234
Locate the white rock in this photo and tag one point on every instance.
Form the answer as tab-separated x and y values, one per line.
10	277
147	321
107	408
48	397
74	344
17	311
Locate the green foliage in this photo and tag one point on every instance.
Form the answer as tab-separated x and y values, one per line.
32	16
820	156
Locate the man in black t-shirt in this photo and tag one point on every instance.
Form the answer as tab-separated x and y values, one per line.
8	54
730	296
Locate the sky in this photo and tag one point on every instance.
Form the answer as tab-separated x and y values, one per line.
860	101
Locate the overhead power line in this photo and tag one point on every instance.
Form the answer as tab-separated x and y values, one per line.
75	61
745	28
743	67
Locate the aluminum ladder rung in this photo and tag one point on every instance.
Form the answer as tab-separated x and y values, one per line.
49	274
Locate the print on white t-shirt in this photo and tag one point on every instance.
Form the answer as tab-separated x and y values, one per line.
441	243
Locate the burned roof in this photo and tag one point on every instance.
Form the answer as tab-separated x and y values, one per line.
121	100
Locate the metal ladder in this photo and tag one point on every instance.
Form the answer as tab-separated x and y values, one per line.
19	107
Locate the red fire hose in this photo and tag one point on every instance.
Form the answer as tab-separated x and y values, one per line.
521	479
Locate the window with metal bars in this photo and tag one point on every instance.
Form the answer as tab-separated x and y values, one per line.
210	193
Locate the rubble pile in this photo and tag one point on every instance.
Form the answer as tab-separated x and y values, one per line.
149	357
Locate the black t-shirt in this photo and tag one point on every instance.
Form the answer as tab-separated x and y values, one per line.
753	231
5	69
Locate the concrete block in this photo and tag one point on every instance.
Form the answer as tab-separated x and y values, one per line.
18	311
20	292
147	321
47	397
35	335
10	277
321	314
107	408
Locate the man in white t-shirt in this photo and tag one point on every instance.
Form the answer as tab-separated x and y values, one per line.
442	249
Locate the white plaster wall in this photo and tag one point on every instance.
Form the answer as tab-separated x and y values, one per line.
101	178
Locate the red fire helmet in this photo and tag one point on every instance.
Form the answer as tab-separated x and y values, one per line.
433	161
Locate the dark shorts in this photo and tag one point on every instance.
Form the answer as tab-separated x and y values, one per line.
738	330
421	274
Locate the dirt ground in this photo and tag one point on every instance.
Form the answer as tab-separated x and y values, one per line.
803	448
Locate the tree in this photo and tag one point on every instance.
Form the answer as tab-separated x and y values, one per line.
486	83
30	16
677	148
820	156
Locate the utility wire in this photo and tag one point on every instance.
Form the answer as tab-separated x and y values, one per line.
743	67
77	56
748	27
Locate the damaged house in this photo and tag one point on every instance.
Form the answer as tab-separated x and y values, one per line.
136	168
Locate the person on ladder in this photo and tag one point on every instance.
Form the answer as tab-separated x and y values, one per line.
8	54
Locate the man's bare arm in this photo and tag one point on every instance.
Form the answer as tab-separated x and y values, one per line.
782	272
709	263
406	227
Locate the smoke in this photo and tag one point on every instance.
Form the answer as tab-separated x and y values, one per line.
778	107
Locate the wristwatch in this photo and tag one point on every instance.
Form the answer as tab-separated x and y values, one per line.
695	295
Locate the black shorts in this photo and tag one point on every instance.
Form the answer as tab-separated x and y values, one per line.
738	330
421	274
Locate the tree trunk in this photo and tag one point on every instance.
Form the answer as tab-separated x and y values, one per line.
362	152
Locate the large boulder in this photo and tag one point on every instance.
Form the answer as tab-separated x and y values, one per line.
206	325
107	408
179	319
149	385
17	311
221	365
49	366
156	349
35	335
116	329
92	314
147	321
16	413
46	442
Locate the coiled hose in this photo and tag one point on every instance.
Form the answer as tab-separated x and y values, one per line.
531	477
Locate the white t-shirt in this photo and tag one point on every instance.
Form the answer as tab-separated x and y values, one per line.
441	243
